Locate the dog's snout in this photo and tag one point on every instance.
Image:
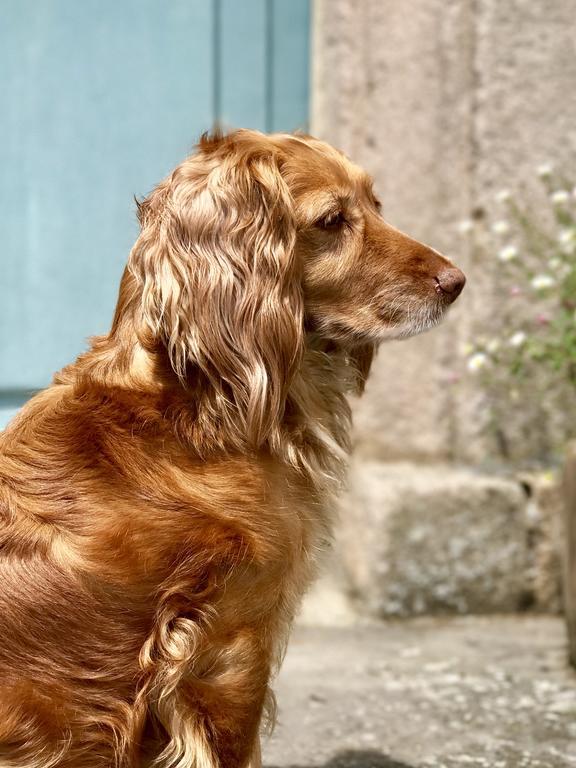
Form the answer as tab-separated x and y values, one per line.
450	281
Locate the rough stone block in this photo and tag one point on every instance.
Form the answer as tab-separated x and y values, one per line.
433	539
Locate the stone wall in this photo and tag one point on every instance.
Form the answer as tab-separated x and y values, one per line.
445	102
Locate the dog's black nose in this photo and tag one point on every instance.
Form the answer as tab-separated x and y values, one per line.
450	281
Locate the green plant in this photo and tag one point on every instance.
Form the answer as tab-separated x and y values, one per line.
527	352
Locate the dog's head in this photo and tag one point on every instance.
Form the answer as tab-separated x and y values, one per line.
363	280
256	242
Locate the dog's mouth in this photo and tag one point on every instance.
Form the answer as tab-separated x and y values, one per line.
407	314
413	316
414	320
410	315
389	325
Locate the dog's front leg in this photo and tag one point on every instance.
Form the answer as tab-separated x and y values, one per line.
212	715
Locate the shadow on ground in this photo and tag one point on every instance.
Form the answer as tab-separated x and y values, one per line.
365	758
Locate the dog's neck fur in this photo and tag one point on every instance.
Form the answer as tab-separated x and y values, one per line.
313	436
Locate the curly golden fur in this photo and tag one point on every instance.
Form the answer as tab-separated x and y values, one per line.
162	504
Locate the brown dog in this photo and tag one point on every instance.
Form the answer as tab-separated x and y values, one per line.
162	503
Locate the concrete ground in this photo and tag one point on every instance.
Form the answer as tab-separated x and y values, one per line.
427	693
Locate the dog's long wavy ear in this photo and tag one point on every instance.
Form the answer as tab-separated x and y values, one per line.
219	283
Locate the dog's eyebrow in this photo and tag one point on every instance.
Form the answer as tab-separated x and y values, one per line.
321	203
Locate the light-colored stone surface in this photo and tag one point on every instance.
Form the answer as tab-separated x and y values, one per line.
392	89
422	540
427	693
445	102
328	603
435	539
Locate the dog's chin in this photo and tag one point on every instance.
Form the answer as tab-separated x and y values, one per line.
419	321
376	330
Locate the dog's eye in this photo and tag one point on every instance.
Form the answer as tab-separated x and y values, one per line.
332	220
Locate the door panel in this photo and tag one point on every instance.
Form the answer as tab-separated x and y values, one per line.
86	111
100	100
289	65
243	45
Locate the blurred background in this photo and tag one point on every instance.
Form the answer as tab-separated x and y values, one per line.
463	111
100	101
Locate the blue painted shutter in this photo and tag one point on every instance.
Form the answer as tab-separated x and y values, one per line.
101	99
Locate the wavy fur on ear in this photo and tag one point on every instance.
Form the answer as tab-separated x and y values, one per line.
219	283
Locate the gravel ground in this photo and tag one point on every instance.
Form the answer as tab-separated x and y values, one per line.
427	693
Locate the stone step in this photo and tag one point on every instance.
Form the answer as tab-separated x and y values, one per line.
416	539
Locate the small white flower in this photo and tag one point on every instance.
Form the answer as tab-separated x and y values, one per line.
560	197
493	346
508	253
567	236
567	240
517	339
465	226
541	282
477	361
501	227
545	170
503	196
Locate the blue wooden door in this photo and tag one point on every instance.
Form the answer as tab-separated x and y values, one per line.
101	98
